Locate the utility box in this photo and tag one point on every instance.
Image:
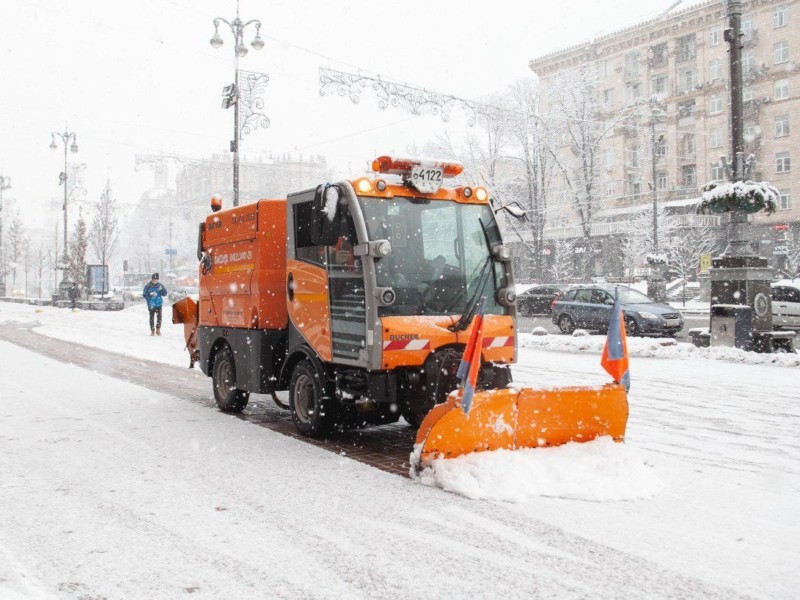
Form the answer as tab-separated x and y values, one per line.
731	325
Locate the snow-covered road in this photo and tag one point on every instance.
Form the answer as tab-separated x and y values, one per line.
112	490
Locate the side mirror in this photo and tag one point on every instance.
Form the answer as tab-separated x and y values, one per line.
326	215
609	301
515	210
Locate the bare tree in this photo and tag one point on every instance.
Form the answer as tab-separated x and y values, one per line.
15	242
104	233
27	261
576	109
687	245
76	259
562	264
638	242
41	262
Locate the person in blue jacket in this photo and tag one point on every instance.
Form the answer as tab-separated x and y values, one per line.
153	292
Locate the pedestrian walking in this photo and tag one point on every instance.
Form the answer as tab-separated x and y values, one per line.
153	292
74	293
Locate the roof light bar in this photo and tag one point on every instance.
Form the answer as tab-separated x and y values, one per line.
403	166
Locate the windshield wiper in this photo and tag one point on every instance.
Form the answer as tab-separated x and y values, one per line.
469	310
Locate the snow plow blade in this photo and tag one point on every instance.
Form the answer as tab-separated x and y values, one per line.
527	418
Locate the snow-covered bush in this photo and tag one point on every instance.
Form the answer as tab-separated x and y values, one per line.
539	331
656	259
580	333
747	196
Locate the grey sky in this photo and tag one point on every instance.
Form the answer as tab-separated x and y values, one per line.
140	76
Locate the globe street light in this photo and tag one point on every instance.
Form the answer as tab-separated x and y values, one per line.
237	27
62	178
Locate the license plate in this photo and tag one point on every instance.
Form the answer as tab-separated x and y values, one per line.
427	180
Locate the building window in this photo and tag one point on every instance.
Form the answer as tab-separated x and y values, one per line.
715	138
658	86
608	67
686	48
750	132
715	70
782	162
687	80
608	158
784	200
780	16
715	37
686	109
658	56
689	175
661	180
748	93
781	90
632	64
715	105
688	145
635	156
717	172
636	188
608	97
609	189
780	53
781	126
633	90
661	147
748	29
748	62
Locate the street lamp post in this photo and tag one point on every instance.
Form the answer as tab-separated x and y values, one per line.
5	184
237	27
65	137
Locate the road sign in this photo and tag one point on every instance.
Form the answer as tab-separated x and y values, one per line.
705	262
170	251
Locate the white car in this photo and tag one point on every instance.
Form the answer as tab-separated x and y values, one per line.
786	304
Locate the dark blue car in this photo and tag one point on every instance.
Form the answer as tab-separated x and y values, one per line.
589	307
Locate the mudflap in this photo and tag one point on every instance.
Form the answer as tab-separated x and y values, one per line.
526	418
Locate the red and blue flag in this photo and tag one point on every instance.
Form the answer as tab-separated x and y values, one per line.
615	352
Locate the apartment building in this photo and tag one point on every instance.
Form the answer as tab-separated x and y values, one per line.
680	60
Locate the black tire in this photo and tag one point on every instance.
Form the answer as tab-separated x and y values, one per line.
313	414
631	327
223	379
566	324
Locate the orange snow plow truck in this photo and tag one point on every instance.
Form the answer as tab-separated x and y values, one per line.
358	298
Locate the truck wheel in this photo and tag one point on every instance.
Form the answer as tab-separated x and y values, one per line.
313	414
229	399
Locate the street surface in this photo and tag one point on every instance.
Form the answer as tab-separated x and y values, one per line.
121	479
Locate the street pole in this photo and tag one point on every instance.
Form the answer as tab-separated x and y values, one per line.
5	184
65	137
737	242
237	27
655	182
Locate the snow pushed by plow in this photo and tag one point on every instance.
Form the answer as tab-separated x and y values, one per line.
597	471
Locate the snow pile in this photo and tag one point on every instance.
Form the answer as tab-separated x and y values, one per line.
600	470
657	348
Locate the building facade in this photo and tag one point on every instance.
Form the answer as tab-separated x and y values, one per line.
676	69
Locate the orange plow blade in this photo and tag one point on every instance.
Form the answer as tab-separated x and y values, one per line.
526	418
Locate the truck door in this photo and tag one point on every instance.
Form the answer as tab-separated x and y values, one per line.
325	287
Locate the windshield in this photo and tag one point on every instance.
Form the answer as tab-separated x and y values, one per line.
439	251
630	296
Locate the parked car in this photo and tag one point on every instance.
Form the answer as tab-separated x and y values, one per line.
589	307
538	300
786	304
